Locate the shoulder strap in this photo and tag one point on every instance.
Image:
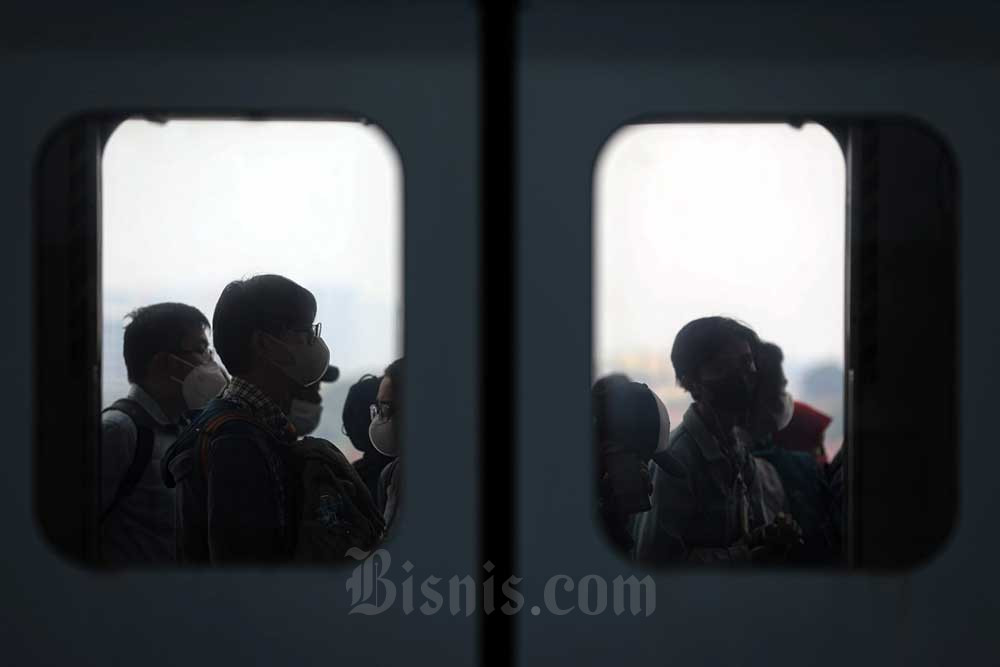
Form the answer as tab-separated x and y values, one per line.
143	449
212	426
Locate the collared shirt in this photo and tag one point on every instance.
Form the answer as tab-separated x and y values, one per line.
140	529
263	408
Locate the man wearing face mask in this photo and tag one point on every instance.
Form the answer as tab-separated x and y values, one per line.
810	500
630	424
713	502
233	470
385	431
171	370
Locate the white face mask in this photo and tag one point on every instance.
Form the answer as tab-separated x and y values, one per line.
305	415
309	361
382	433
202	384
783	418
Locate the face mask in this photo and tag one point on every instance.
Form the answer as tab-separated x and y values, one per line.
202	384
382	433
305	415
783	418
731	393
309	361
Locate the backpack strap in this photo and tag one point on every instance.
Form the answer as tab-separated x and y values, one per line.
212	426
144	425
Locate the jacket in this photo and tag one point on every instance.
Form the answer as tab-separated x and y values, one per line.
707	497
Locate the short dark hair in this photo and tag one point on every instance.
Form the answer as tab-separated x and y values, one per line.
268	303
699	341
154	329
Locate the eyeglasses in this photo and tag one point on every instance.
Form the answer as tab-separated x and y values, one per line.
312	332
382	409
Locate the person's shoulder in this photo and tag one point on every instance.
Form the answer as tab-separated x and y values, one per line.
677	458
116	425
225	430
682	444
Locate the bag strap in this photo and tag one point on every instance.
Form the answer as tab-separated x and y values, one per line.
214	424
143	449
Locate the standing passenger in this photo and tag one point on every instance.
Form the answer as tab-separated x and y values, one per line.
809	498
233	468
713	502
170	370
630	424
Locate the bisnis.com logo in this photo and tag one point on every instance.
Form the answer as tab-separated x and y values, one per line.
373	591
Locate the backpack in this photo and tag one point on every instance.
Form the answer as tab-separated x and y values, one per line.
144	425
335	512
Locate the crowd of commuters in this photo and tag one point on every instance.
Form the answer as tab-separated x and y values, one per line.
205	465
743	477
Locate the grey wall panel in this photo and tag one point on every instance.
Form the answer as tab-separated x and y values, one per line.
584	72
424	97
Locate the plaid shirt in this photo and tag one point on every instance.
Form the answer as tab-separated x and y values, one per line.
262	408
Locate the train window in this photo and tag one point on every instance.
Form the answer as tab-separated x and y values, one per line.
250	290
737	304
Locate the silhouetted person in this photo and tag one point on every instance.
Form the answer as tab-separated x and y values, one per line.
357	418
236	482
385	432
806	490
713	502
630	424
170	370
306	409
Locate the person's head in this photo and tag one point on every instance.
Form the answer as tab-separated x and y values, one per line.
264	333
307	403
630	424
772	404
386	412
357	412
713	360
167	353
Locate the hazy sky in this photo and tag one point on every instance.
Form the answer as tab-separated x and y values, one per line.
740	220
190	205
